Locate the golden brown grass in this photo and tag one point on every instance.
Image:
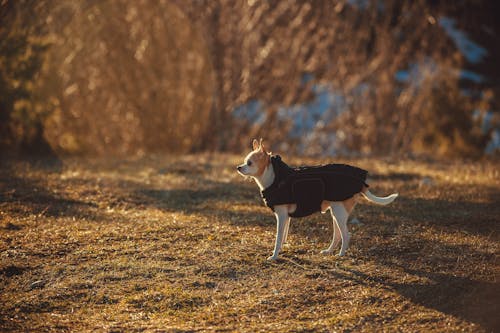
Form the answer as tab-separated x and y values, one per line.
178	244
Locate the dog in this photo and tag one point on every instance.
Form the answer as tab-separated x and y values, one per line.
299	192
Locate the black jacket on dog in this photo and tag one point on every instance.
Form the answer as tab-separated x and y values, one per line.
309	186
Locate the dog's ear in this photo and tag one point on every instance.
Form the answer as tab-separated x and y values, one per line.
255	144
262	147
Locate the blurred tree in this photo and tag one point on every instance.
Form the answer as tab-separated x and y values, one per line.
22	49
261	50
133	77
121	77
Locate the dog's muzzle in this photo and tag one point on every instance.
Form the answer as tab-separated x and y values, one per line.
241	169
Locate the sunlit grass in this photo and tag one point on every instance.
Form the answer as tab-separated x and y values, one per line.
166	244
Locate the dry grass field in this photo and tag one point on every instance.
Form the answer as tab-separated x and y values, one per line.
180	244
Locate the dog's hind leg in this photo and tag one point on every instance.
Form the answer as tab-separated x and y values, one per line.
336	236
287	227
341	215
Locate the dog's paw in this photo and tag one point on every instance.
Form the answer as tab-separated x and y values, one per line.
326	252
272	258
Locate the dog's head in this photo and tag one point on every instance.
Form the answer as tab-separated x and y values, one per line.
256	162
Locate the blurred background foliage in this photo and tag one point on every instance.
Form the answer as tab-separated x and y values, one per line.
312	77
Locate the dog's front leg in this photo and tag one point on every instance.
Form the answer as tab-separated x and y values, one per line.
281	221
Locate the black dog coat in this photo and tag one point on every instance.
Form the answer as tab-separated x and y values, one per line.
307	187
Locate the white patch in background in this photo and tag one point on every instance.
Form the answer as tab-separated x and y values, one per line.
252	111
308	120
488	119
472	51
494	144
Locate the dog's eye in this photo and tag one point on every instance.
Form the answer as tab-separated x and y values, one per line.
249	163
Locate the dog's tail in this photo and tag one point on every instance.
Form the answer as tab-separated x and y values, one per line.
379	200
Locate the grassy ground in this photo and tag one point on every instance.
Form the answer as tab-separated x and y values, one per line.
180	245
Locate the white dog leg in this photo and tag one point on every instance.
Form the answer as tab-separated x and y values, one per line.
287	227
341	215
336	236
281	219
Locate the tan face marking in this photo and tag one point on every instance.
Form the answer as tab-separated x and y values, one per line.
263	160
255	163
